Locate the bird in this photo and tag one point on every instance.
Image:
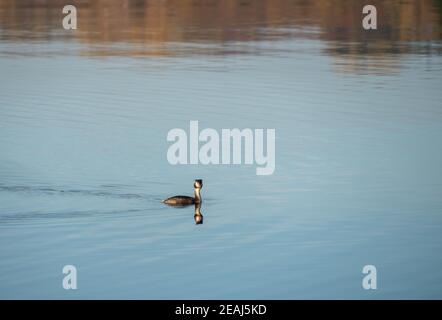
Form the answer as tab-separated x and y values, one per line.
185	200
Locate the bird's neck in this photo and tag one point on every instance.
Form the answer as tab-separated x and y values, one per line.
198	195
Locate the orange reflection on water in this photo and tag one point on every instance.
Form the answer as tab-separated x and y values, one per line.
220	27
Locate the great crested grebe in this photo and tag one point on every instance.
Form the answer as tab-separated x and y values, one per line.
185	200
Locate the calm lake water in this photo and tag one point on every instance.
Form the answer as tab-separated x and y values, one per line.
84	117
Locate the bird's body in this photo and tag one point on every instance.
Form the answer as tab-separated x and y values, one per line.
185	200
179	200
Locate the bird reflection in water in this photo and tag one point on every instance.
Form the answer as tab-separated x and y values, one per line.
198	217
